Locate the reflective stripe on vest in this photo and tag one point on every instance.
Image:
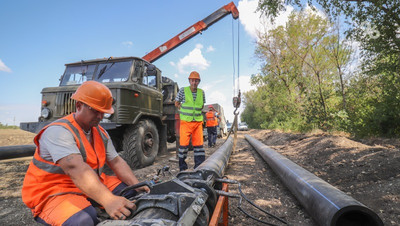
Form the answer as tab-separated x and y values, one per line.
80	146
190	109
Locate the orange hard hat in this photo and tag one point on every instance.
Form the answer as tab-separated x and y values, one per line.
95	95
194	75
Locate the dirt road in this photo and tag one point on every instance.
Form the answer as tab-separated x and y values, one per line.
366	170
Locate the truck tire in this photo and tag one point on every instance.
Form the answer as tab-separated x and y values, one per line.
140	144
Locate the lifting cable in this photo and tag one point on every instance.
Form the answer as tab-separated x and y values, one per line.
236	99
236	83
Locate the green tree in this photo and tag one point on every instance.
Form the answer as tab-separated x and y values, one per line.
296	87
375	24
375	104
373	94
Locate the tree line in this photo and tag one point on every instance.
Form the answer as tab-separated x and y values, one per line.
312	77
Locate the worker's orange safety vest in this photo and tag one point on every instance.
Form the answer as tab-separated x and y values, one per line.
45	179
211	119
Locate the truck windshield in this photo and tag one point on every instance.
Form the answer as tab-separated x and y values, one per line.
77	74
105	72
113	72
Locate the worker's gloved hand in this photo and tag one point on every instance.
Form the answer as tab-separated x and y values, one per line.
119	207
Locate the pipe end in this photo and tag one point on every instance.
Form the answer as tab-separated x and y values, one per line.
356	216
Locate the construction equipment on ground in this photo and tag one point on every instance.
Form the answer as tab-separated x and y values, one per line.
189	199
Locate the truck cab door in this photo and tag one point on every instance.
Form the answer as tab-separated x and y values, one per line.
151	97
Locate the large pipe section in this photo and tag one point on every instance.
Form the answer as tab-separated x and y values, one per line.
16	151
218	161
326	204
189	199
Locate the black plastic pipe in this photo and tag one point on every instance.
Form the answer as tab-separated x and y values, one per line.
218	161
326	204
16	151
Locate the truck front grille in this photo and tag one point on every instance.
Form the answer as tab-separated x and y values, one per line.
64	104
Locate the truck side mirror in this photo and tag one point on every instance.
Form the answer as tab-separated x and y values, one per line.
151	70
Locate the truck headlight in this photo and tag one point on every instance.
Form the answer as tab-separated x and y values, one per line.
107	116
45	113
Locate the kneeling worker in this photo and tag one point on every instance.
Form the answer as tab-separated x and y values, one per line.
65	179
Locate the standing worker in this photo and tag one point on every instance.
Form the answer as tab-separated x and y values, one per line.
65	178
212	124
190	102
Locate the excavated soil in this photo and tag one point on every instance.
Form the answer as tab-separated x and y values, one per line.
367	170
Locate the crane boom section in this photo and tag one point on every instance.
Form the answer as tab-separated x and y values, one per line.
192	31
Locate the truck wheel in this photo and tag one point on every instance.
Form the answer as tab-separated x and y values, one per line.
140	144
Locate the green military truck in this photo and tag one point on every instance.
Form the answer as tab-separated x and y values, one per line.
144	118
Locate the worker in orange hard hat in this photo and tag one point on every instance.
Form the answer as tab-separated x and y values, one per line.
65	178
190	101
212	124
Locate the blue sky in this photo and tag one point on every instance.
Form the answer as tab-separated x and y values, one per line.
39	37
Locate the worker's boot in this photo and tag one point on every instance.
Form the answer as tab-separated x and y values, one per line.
182	156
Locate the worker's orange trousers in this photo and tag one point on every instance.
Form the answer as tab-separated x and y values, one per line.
73	209
193	130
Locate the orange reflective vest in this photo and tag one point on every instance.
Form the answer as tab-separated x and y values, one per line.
45	179
211	119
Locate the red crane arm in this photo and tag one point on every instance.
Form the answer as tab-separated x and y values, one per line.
192	31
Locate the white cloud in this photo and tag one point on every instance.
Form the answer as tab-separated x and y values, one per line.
3	67
193	61
254	22
127	43
216	97
210	49
211	85
244	84
314	11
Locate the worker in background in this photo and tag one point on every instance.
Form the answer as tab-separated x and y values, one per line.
65	179
212	124
190	102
